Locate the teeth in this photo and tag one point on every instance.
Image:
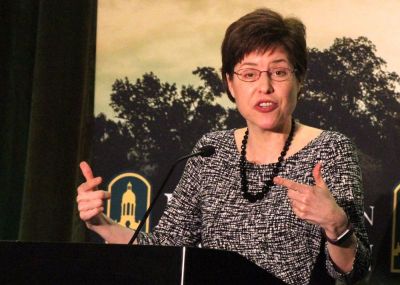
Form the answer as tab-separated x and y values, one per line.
265	104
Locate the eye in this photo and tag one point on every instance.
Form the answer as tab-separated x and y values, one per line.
280	72
249	73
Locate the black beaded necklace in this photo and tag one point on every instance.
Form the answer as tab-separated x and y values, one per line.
269	182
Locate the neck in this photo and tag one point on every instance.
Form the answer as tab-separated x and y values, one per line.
265	146
269	182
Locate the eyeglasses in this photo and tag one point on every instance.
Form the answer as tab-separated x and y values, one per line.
275	74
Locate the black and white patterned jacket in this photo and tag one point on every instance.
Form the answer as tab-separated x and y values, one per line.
207	208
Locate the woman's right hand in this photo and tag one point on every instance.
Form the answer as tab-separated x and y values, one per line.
91	200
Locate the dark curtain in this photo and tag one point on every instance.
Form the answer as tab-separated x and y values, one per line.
47	94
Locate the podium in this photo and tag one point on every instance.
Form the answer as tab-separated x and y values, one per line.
88	263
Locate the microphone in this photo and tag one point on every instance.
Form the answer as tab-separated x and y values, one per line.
204	151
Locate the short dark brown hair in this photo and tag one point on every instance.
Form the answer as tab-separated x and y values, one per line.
259	31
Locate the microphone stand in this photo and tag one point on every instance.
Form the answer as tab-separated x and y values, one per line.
204	151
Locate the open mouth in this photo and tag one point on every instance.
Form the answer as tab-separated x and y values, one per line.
265	104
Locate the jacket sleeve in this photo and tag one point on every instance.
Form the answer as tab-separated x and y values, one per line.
180	224
341	171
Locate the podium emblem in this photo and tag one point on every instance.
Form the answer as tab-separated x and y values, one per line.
395	256
130	198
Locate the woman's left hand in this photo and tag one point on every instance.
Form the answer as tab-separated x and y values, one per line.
315	204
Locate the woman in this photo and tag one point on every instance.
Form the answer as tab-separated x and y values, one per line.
285	195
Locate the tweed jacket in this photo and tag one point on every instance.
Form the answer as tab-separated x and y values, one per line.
207	208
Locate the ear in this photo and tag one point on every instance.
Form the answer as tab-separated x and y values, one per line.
230	84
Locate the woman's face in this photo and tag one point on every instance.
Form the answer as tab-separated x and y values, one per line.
265	104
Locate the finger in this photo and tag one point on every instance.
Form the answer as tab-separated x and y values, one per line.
292	202
85	205
295	195
86	170
290	184
90	185
88	196
319	181
294	207
89	205
87	215
299	209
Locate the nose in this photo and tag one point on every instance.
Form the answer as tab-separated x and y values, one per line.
265	83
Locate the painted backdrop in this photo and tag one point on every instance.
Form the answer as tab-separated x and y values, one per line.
158	90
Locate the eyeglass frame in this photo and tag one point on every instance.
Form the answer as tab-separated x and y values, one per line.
268	72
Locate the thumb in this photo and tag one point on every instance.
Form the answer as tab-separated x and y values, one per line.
318	175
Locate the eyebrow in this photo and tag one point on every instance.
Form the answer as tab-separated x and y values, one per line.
280	60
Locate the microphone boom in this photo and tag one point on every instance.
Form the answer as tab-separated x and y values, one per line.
204	151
